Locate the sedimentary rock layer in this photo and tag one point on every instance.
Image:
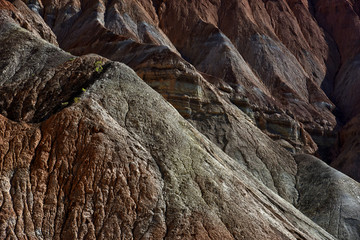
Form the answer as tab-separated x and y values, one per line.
88	149
120	162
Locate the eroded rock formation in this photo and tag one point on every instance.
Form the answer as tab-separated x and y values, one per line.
347	159
121	163
89	151
328	197
262	69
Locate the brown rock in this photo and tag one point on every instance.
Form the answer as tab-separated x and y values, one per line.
290	56
347	160
298	94
27	19
96	21
88	150
122	163
341	19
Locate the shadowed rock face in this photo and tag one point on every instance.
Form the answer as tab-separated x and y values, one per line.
348	144
272	43
341	19
120	162
271	72
278	61
88	150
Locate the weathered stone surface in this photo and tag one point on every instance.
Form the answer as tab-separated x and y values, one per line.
122	163
27	19
276	62
35	92
88	150
261	64
81	23
203	105
290	68
341	19
347	83
328	197
348	159
30	103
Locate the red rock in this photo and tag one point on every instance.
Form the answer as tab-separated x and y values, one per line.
120	162
222	58
28	19
341	19
104	156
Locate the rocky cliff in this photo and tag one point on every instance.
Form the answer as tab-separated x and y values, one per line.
244	90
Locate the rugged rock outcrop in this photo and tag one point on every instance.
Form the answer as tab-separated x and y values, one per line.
28	19
276	67
88	150
120	162
286	94
328	197
348	148
341	19
273	76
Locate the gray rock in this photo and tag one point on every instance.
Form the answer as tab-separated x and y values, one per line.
122	163
328	197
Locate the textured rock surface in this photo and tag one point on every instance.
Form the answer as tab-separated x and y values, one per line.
328	197
88	150
220	121
348	148
272	75
289	70
27	19
273	67
341	19
122	163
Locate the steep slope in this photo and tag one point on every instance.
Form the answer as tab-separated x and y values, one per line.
265	70
278	61
28	19
120	162
334	197
342	20
87	147
272	165
348	148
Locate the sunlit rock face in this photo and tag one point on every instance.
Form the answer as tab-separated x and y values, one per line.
272	67
115	160
89	150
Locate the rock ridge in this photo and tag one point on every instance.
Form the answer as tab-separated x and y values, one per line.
89	151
